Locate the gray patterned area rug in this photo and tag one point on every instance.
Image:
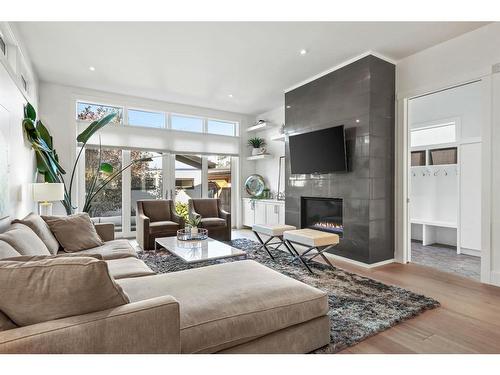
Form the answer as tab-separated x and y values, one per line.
359	306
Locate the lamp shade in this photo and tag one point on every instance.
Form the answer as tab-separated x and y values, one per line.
45	192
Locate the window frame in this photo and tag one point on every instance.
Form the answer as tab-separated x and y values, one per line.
167	115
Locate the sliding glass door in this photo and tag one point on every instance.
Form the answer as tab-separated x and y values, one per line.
219	179
146	180
107	205
155	175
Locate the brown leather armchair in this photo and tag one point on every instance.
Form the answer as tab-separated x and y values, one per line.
213	217
156	218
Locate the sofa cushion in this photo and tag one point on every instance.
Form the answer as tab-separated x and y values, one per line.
162	226
5	322
53	288
231	303
213	222
42	230
74	232
24	240
128	267
7	251
115	249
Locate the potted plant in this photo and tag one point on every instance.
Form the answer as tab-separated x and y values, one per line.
258	145
193	223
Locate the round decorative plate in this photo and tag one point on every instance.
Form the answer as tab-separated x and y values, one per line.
254	185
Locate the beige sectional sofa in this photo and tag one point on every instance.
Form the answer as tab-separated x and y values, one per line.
238	307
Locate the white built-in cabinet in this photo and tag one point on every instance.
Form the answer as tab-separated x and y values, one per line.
262	211
445	197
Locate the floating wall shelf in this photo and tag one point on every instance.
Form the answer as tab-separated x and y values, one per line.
260	126
258	157
279	137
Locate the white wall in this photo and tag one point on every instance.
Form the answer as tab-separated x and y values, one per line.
57	110
268	168
22	168
465	58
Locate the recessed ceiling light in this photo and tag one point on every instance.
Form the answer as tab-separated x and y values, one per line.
357	120
91	68
289	106
230	95
303	51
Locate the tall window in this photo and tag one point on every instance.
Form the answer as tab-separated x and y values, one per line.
188	124
219	179
146	180
221	127
107	205
145	118
93	112
434	135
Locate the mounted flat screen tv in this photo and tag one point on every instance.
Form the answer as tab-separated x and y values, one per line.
321	151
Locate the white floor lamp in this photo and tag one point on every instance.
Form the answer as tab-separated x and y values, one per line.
45	194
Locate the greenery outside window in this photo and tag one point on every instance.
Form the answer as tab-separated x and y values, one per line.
93	112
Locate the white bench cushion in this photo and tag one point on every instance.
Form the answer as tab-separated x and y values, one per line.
272	230
311	237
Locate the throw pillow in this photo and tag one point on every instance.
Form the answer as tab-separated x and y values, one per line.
24	240
7	251
53	288
74	232
42	230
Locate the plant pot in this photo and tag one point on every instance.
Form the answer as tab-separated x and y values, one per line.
258	151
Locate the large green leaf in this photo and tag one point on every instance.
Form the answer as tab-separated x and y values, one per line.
84	136
29	112
106	168
44	133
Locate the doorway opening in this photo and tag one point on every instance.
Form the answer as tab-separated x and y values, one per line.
444	179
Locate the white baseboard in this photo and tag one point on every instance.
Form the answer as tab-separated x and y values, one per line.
472	252
495	278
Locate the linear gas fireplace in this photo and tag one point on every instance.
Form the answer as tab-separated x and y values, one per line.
323	214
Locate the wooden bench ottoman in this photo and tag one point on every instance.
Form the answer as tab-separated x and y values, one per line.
313	240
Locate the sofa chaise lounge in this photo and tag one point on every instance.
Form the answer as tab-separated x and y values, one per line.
238	307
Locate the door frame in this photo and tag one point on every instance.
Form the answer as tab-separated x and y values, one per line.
402	169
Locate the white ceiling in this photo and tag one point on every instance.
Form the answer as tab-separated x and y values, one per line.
202	63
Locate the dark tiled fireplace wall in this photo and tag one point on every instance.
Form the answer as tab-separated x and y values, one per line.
359	96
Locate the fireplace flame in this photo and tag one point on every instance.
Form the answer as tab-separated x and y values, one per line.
328	226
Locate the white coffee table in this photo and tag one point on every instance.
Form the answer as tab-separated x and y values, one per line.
198	251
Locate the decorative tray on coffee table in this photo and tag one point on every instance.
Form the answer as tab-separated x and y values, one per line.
187	234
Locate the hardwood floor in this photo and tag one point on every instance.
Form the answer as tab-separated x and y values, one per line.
468	320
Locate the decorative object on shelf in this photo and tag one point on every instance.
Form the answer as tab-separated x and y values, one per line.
186	234
258	144
255	185
48	161
281	179
45	193
266	194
